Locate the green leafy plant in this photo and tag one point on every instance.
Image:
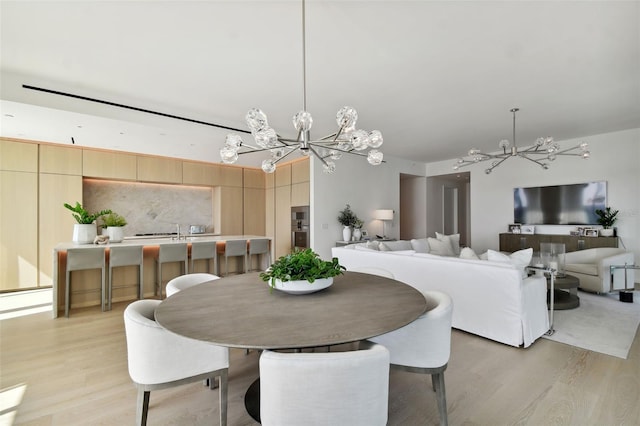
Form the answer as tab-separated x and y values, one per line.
607	217
305	265
113	219
84	217
347	217
358	223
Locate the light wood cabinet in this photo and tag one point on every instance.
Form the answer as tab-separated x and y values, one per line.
283	175
109	165
60	159
18	156
228	210
300	194
18	230
300	171
159	169
254	178
254	211
282	220
56	222
230	176
515	242
200	173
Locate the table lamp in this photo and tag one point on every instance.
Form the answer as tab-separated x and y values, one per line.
383	215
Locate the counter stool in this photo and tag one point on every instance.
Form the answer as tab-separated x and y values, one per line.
125	256
235	248
204	250
79	259
171	252
259	246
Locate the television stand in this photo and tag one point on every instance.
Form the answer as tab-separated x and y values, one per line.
514	242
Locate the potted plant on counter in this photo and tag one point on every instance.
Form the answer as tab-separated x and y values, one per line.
301	272
607	218
84	232
114	223
346	218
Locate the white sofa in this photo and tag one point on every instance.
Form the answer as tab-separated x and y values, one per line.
490	299
591	267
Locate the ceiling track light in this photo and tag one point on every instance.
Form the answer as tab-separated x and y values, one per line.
543	151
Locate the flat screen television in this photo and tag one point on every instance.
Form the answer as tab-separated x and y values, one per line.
574	204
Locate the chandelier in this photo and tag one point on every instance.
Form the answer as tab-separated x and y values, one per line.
346	140
543	151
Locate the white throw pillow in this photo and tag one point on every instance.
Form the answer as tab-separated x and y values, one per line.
453	239
363	247
420	245
395	245
520	259
441	248
468	253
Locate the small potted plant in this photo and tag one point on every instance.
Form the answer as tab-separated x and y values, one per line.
114	223
607	218
302	271
84	232
346	218
357	229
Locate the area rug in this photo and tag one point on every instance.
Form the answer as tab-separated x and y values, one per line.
601	323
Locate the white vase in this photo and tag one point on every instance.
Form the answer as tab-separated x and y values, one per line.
115	233
84	233
302	286
357	234
346	233
608	232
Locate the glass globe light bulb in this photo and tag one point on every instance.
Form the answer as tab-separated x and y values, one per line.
268	166
545	166
335	155
344	146
504	144
302	121
488	171
256	120
455	167
473	152
375	139
539	141
360	140
586	155
234	141
228	155
329	167
277	153
346	117
460	161
584	146
375	157
266	138
551	157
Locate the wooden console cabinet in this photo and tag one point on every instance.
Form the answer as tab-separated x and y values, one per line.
514	242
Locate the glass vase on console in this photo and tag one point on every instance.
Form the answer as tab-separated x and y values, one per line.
552	255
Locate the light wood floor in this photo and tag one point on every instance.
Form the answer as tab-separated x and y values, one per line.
74	372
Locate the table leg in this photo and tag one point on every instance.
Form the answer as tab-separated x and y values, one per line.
551	296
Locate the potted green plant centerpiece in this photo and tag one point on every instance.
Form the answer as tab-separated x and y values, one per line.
301	272
607	218
346	218
84	232
114	223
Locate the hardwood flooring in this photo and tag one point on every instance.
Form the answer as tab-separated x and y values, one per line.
74	372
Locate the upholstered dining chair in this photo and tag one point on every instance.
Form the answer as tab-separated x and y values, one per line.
160	359
424	346
185	281
338	388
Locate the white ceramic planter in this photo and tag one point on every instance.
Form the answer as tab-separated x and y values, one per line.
115	233
302	287
346	233
84	233
606	232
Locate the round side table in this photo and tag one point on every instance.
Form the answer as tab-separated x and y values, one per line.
564	299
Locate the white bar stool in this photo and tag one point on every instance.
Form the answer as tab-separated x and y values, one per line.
235	248
204	250
125	256
171	252
80	259
259	246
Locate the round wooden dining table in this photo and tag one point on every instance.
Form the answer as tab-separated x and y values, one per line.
242	311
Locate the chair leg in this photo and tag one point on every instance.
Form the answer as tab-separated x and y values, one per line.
142	408
67	295
223	397
141	278
438	382
102	289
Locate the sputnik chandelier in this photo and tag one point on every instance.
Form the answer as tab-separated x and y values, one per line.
347	140
544	150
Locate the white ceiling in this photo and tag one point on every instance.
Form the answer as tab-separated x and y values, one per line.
436	77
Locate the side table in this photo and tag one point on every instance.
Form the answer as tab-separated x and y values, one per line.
564	299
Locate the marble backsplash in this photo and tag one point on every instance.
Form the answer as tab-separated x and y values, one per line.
151	208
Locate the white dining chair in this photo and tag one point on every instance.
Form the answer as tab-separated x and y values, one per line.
126	256
338	388
185	281
424	346
80	259
171	252
234	248
260	247
159	359
204	250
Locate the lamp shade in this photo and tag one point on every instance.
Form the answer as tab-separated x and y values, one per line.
383	214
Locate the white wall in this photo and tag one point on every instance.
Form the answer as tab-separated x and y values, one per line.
615	158
364	187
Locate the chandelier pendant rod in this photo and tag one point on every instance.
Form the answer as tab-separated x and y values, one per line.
304	58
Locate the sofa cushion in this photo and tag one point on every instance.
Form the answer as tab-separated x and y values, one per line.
468	253
582	268
453	239
395	245
420	245
369	245
520	259
440	247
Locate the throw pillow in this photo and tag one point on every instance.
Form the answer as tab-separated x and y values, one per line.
395	245
453	239
420	245
441	248
520	259
468	253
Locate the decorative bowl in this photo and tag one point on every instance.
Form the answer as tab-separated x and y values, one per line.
302	286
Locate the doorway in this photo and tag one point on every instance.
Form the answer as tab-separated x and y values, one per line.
448	205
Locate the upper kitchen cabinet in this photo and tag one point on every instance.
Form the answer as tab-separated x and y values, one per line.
300	171
60	160
200	173
230	176
18	156
300	183
109	165
254	178
283	175
159	169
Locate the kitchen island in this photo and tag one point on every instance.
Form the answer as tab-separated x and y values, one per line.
86	284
